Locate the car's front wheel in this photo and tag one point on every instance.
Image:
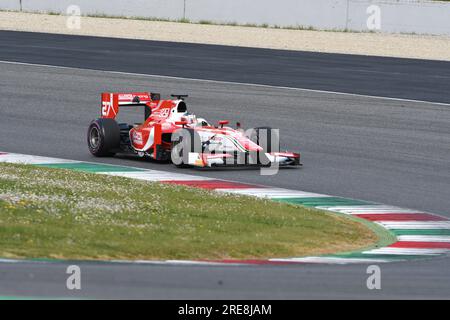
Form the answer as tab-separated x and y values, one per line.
184	141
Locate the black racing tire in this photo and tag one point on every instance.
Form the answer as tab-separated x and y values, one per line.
180	145
103	137
270	134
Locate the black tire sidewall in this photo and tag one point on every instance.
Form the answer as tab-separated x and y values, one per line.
96	150
109	137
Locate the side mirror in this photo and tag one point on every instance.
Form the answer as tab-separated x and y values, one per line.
223	122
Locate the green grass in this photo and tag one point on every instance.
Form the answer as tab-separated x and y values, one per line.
56	213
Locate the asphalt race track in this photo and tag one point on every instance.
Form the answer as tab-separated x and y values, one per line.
416	280
391	151
387	77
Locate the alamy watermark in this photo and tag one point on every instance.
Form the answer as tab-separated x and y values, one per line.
73	282
374	280
73	21
374	19
253	147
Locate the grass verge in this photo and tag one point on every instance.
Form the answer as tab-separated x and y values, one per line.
55	213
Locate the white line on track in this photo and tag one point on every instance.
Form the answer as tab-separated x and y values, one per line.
29	159
406	251
415	224
227	82
273	193
331	260
373	211
414	238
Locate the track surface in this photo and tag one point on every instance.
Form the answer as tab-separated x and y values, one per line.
389	77
396	152
415	280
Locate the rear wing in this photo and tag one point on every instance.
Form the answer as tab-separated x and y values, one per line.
111	102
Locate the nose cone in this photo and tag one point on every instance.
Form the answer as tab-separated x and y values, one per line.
249	145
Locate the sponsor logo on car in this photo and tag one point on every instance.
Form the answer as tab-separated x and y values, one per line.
137	137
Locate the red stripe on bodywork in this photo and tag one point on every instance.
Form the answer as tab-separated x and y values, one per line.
401	217
213	184
2	153
421	245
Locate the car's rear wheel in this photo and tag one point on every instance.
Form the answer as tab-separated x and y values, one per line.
103	137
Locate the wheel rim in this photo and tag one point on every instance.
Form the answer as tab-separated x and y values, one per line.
177	150
94	138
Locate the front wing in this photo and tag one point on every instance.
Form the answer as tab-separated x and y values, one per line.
244	159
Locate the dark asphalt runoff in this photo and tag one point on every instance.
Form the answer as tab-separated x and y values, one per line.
388	77
391	151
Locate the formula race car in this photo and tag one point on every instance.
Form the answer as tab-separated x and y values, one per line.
170	133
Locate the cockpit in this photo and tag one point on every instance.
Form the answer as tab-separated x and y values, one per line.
180	113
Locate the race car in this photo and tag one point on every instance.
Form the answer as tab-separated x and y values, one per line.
170	132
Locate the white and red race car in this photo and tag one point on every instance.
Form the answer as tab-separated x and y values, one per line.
170	133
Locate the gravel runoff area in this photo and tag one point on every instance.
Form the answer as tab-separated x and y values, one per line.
392	45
